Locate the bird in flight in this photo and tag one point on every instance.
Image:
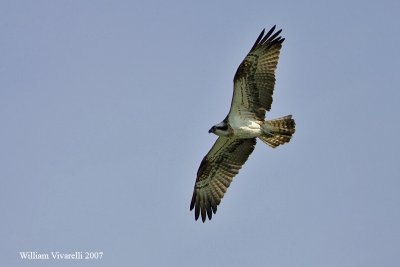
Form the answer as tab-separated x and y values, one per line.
253	87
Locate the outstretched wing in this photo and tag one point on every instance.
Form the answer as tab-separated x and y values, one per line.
216	171
254	80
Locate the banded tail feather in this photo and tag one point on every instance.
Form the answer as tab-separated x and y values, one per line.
278	131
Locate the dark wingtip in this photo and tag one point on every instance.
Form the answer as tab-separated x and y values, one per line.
196	213
209	213
269	32
271	38
193	200
258	40
275	35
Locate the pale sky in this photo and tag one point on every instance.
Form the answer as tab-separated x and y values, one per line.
105	108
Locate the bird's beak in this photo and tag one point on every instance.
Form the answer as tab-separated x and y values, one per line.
211	130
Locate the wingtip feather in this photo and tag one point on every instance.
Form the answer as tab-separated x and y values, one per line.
270	37
258	40
193	200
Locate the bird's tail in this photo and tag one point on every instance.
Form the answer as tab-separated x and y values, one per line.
278	131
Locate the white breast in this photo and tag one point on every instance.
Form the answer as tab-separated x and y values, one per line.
245	127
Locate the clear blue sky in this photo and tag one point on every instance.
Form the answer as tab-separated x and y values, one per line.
104	113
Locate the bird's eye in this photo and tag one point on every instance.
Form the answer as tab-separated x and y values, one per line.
223	128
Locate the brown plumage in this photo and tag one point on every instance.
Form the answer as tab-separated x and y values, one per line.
280	131
257	71
254	83
208	192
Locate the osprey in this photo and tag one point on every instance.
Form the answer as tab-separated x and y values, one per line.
237	134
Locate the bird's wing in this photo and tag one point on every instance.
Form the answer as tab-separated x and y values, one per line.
216	171
254	80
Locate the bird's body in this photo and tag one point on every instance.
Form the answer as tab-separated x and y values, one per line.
244	127
252	96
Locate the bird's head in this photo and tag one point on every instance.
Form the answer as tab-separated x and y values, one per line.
220	129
